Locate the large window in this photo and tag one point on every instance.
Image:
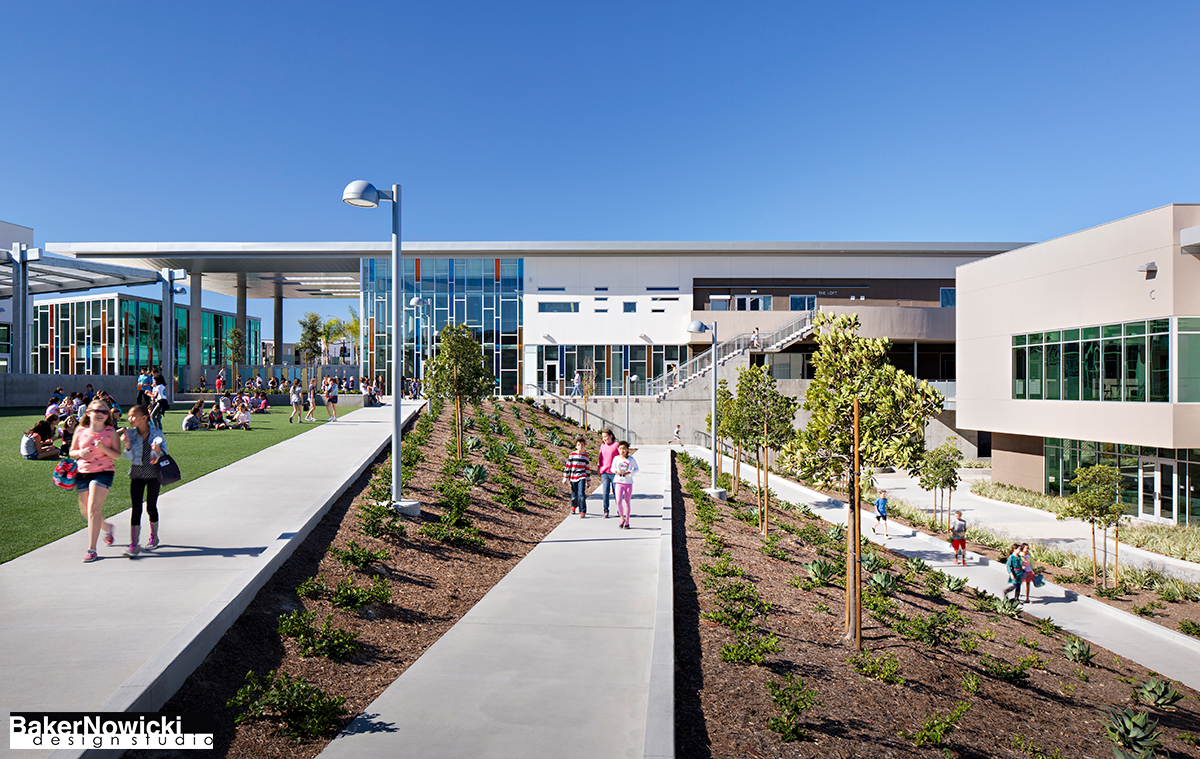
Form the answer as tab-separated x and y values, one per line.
1189	360
753	302
558	307
803	302
948	298
1128	362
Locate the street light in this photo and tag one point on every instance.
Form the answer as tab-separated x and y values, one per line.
363	194
699	327
426	345
628	379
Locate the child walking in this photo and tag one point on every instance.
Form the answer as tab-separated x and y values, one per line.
576	472
624	467
94	447
958	537
1015	572
144	443
608	453
297	398
312	401
881	513
1026	569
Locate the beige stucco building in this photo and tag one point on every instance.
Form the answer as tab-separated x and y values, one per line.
1086	349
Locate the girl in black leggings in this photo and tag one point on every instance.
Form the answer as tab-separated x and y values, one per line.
144	443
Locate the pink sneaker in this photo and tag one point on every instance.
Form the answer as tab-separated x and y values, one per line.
153	541
90	556
108	538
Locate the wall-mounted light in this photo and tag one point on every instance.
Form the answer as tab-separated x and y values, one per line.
1151	270
646	337
548	338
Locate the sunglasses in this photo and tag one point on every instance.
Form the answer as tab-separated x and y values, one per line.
98	411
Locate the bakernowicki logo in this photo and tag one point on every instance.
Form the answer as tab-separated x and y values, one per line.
115	730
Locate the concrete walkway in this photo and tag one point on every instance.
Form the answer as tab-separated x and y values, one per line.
559	659
1170	653
1028	524
122	634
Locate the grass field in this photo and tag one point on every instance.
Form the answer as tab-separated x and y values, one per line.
35	512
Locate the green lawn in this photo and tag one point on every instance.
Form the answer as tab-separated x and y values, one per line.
34	512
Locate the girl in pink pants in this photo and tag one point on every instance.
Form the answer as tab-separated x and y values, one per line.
623	468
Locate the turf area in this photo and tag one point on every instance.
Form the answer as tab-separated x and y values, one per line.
35	512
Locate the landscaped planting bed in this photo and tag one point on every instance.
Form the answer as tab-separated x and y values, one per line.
943	670
366	594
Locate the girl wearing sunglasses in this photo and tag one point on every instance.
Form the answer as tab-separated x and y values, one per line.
95	446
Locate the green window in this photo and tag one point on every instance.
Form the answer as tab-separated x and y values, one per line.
1090	371
1189	360
1035	372
1159	364
1070	371
1053	371
1135	368
1018	373
1111	370
1090	333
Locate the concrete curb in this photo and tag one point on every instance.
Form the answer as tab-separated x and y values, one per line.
660	708
162	676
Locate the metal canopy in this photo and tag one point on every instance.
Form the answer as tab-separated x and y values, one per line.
59	274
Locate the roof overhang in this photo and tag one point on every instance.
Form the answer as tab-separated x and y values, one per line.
51	273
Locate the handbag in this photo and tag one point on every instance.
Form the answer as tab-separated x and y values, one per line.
65	473
1038	580
168	471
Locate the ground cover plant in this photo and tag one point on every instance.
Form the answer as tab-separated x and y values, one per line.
942	674
367	593
35	512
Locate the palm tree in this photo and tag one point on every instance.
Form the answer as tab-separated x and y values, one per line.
353	330
333	330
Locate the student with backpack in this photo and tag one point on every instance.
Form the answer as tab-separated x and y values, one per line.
576	472
144	444
95	446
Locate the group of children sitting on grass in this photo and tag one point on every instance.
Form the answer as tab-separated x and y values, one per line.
228	412
51	438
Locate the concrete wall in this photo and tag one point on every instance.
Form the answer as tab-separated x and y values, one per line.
274	400
1018	460
21	390
1087	278
901	323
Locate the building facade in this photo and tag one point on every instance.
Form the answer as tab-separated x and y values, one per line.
120	334
1086	349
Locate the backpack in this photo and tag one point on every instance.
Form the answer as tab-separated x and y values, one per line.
64	474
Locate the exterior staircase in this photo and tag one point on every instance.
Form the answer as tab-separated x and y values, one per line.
769	342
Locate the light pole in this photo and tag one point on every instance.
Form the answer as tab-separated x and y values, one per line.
419	302
364	195
628	379
699	327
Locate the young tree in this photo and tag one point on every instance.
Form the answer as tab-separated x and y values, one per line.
937	471
308	347
725	405
458	373
235	347
765	417
1095	501
587	387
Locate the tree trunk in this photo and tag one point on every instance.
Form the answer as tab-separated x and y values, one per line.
949	505
766	526
758	481
1116	554
737	470
1094	578
1104	553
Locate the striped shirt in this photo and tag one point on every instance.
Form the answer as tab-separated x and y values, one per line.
577	466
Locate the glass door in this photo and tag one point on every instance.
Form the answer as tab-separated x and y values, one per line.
1158	490
552	376
1166	490
1149	478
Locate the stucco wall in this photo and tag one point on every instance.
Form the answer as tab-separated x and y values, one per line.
1018	460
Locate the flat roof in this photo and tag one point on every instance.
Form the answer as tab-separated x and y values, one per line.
130	296
270	263
61	274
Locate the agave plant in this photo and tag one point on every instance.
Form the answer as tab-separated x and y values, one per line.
1077	650
509	448
873	563
1133	734
915	566
1158	693
884	584
836	533
955	584
1010	607
530	437
473	443
475	475
821	571
468	424
496	428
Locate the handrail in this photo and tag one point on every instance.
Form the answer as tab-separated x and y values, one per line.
628	433
703	437
700	364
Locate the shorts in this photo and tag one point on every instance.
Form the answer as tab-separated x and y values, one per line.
881	516
83	480
331	399
32	456
959	545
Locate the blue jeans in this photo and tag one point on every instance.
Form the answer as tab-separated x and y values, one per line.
579	495
607	488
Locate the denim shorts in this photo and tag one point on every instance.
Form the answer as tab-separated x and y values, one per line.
84	480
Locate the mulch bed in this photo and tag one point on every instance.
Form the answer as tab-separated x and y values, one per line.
722	708
433	586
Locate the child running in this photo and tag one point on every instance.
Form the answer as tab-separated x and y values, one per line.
958	537
624	467
576	472
94	447
144	443
881	513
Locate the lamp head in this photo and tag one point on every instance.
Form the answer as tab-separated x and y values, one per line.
416	301
633	378
361	193
697	326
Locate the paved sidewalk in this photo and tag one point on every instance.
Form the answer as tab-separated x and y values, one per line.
122	634
556	660
1170	653
1028	524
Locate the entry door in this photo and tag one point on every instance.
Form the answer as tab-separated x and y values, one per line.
552	376
1158	490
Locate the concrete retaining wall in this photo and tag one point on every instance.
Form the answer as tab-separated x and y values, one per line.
20	390
274	400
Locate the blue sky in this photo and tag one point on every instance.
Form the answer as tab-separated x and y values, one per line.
573	121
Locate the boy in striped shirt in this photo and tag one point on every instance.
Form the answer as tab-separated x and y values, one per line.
576	472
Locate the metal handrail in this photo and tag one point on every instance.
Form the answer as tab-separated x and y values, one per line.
702	438
698	365
629	434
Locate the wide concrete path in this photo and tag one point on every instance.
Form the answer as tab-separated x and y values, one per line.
555	661
1028	524
122	634
1170	653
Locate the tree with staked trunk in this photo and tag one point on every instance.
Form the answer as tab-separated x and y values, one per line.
235	347
937	472
457	373
765	417
725	419
1095	502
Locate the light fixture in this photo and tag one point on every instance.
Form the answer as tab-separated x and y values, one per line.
1151	270
646	337
362	194
698	327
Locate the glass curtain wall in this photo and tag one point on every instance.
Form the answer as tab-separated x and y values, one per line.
1116	362
75	338
1063	457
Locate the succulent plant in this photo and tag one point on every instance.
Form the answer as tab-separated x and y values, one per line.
836	533
915	566
883	583
1133	734
1077	650
1010	607
873	563
1158	693
468	424
475	475
821	571
509	448
956	584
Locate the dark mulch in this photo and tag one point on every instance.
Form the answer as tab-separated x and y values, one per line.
722	709
433	586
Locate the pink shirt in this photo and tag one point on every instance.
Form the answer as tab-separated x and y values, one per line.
608	452
92	459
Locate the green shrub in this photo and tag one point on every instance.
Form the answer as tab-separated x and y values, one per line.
1188	627
1147	609
356	556
1023	641
751	647
312	587
1021	496
1047	627
1002	670
936	727
349	596
410	455
972	683
326	641
934	583
770	547
512	497
723	567
792	699
932	629
377	519
884	667
304	709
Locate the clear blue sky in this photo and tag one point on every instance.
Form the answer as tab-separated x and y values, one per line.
606	121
